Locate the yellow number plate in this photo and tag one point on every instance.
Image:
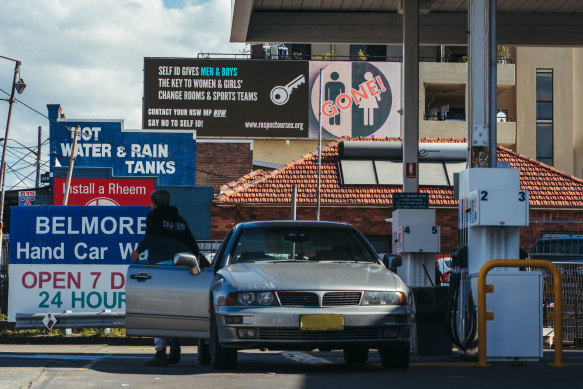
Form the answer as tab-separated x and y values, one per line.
321	322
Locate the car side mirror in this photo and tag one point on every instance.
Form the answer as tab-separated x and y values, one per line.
188	260
392	261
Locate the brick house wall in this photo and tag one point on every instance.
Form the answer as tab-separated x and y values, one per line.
218	163
550	221
370	221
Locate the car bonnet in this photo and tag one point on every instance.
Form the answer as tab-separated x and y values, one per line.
313	276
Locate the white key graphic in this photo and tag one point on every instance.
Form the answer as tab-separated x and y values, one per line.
280	94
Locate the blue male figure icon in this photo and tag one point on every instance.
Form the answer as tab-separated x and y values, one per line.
333	89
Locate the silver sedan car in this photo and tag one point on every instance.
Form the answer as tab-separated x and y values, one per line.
278	285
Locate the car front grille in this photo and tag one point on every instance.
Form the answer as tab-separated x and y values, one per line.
341	298
296	334
302	299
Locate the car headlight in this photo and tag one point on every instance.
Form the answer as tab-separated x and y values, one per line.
248	299
384	298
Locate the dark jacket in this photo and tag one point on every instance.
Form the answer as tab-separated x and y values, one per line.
165	222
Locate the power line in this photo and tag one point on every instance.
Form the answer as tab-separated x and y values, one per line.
115	144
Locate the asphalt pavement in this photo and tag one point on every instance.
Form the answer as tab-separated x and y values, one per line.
102	365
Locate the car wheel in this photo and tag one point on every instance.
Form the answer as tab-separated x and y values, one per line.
355	355
222	358
204	356
395	358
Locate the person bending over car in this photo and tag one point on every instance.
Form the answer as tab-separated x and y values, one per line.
164	223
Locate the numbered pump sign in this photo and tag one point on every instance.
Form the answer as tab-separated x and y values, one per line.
71	258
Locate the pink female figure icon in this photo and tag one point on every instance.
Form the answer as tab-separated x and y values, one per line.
369	104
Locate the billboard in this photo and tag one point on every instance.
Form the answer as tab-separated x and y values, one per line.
226	98
170	157
359	98
272	98
71	258
104	191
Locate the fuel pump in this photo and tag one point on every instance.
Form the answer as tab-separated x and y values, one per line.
417	239
492	208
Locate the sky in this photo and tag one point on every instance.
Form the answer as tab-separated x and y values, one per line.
88	56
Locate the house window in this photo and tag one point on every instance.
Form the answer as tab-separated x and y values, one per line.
544	116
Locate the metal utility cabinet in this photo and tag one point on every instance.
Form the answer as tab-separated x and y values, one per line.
515	330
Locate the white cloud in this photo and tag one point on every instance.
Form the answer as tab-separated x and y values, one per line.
88	55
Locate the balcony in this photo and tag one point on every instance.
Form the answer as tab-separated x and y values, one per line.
506	132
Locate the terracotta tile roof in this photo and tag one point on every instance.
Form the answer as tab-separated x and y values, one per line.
548	187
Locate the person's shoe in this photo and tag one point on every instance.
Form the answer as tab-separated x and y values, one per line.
160	359
174	356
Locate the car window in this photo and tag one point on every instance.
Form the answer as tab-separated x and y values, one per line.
558	248
219	255
300	244
554	246
576	246
564	246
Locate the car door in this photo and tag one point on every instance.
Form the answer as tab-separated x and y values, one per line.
167	301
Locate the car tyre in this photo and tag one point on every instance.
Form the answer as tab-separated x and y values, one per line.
355	355
395	357
222	358
204	355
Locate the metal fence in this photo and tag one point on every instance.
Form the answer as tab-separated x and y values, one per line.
572	274
335	57
209	248
558	237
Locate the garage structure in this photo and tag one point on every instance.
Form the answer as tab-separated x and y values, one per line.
480	24
520	23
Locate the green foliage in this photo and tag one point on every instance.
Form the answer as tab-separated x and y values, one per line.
30	332
503	51
81	332
297	55
361	56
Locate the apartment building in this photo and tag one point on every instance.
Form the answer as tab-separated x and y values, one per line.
540	95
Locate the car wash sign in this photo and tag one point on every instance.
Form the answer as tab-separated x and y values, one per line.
129	153
71	258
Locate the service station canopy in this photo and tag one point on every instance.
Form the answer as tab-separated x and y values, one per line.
441	22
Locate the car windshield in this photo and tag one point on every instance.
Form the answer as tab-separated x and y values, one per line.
280	244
